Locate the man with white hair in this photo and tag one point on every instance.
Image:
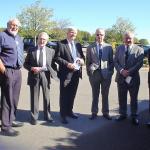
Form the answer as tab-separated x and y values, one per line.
11	60
39	62
128	60
70	59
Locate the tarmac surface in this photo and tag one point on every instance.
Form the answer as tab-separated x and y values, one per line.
81	134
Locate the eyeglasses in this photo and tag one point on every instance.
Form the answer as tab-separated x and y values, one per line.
99	34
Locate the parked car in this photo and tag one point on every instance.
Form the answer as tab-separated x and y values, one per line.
52	44
146	49
85	45
28	42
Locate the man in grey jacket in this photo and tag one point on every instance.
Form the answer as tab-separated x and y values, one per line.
99	66
128	60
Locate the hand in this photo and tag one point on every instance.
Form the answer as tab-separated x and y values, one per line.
125	73
36	70
70	66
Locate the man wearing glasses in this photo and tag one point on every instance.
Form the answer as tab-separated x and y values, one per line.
99	66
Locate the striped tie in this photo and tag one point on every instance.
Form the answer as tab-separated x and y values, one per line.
20	55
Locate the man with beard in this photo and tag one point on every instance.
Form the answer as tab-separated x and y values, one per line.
11	60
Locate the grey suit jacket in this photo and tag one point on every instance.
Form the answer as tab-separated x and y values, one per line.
92	59
31	61
133	64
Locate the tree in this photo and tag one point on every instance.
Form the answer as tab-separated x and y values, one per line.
59	31
115	33
35	19
143	41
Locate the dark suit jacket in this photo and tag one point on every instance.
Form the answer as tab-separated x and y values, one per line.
31	61
64	57
149	68
133	64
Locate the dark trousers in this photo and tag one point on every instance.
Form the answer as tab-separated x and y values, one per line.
123	90
34	97
10	92
97	81
67	95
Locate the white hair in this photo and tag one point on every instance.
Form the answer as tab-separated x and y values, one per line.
45	34
72	29
14	20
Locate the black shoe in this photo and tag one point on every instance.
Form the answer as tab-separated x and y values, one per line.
107	116
50	120
9	132
93	116
64	120
148	124
17	124
33	122
72	115
120	118
135	121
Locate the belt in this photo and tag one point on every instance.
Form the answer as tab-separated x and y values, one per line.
15	68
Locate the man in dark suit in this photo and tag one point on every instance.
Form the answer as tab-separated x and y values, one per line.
99	66
148	55
70	59
39	64
128	60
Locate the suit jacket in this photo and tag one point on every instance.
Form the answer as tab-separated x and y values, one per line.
92	60
133	63
148	55
31	61
64	57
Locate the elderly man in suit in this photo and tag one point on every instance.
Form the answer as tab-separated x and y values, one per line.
39	62
70	59
99	66
128	60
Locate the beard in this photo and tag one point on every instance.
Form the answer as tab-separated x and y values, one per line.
14	33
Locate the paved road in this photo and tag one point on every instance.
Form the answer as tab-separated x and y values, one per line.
81	134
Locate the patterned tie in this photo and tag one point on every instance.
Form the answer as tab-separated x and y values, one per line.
20	54
41	58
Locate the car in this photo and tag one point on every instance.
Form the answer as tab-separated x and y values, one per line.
85	45
28	42
52	44
146	49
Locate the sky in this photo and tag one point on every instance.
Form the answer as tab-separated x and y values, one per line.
87	15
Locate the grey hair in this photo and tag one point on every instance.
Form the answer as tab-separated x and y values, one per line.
14	20
71	29
99	29
44	33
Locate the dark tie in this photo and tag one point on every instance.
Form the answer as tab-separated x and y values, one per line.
41	58
100	53
126	54
20	55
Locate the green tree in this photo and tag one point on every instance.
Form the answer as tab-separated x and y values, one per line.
59	31
143	41
35	19
115	33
